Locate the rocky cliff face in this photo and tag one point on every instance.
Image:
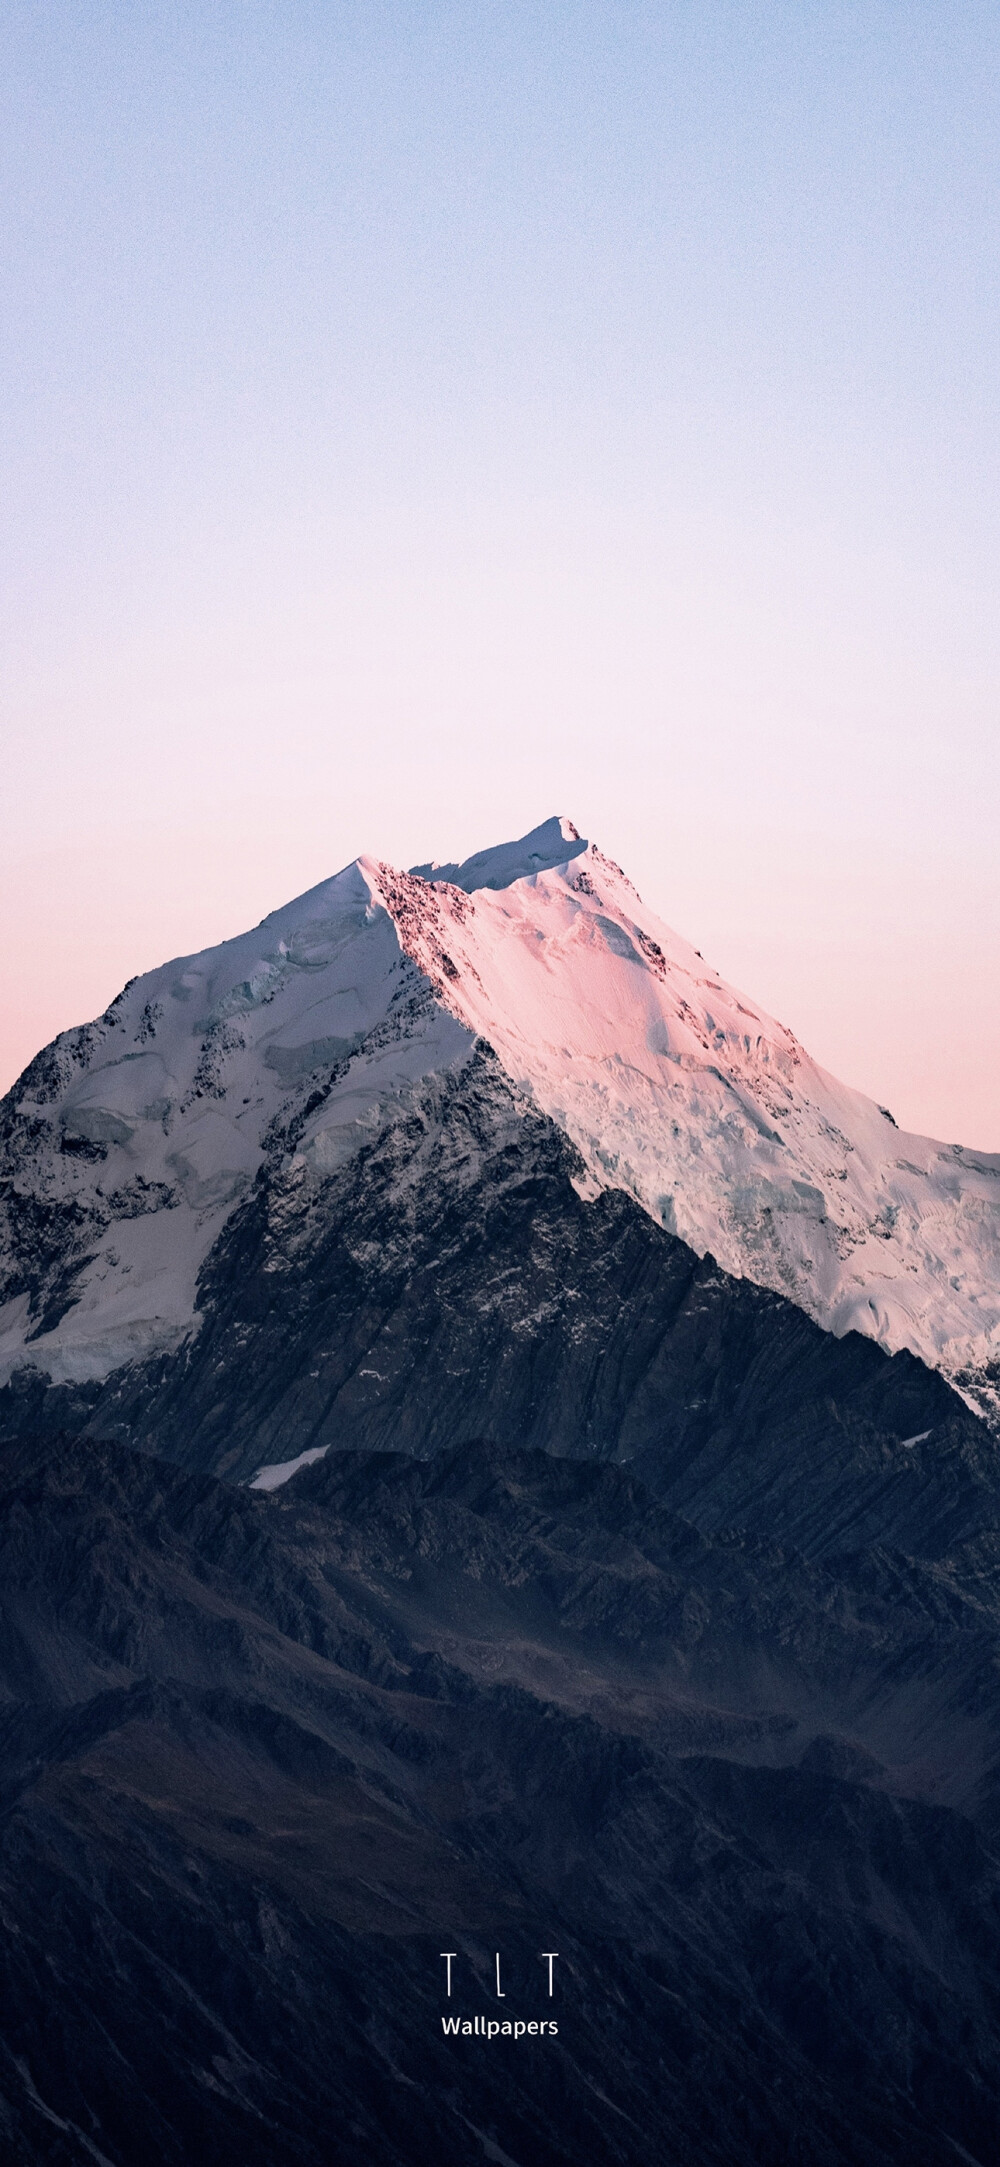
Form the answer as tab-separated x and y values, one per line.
449	1271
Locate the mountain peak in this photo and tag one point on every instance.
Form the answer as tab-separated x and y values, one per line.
130	1144
552	844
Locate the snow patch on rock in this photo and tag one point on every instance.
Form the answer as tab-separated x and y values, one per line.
281	1471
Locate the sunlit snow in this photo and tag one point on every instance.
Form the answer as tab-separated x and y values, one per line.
148	1128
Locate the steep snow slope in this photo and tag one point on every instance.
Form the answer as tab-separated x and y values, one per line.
128	1144
689	1096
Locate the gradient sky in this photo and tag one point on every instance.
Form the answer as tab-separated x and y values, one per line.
418	419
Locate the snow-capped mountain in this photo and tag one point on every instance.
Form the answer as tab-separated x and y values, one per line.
133	1145
562	1590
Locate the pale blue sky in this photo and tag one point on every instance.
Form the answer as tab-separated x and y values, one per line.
420	419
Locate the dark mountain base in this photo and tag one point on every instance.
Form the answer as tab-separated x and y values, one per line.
493	1701
689	1675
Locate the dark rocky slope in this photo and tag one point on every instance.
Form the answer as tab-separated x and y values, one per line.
689	1673
262	1758
450	1275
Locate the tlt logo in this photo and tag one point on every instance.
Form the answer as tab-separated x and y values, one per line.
546	1956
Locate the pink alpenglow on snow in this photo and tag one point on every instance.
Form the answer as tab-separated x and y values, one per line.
671	1084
